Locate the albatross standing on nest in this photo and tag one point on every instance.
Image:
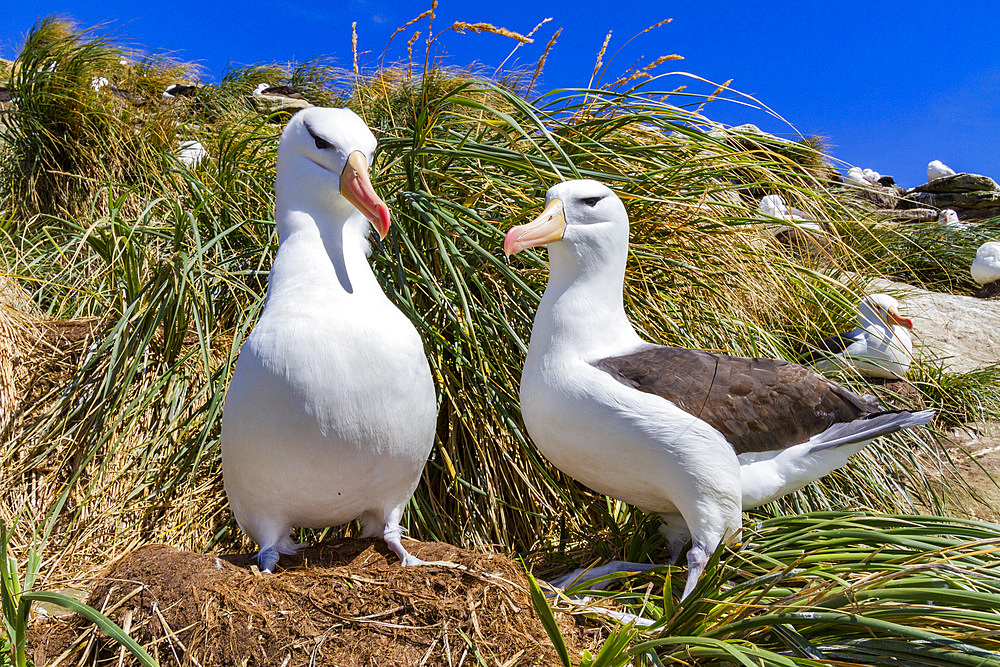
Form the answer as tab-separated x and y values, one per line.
692	436
330	415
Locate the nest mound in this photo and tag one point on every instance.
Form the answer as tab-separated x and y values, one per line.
346	602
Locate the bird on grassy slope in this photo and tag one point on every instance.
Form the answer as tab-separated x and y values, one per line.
267	90
879	347
691	436
937	169
985	269
330	415
774	206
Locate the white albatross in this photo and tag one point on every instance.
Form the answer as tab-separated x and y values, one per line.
949	217
985	268
691	436
774	206
879	347
937	169
330	414
191	154
856	176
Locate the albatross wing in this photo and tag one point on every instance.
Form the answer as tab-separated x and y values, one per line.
757	404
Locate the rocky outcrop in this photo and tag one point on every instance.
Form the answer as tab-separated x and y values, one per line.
909	215
273	103
972	196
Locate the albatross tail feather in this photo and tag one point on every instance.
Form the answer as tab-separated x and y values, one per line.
768	475
869	428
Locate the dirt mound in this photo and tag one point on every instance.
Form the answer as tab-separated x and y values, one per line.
347	602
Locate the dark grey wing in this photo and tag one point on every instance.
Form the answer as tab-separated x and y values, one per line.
758	404
837	344
285	91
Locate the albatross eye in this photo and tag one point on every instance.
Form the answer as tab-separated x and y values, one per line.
591	201
320	142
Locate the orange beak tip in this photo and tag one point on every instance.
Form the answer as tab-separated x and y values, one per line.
384	221
510	240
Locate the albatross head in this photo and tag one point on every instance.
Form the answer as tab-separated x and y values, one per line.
881	310
584	224
323	160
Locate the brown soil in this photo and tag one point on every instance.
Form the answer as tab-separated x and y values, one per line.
972	488
347	602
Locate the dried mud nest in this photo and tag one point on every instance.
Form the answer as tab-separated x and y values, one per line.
347	602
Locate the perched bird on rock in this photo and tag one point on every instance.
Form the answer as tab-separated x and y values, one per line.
880	346
331	412
871	176
856	176
267	90
176	90
692	436
937	169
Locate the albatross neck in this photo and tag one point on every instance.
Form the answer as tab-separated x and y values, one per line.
322	253
582	313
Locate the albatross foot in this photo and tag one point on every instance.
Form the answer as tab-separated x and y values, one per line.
267	559
586	577
391	537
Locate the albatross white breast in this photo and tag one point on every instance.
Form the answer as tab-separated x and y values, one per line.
330	414
691	436
880	346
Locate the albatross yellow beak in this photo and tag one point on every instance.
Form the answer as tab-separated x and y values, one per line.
546	228
356	187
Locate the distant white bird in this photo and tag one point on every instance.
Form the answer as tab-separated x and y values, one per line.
267	90
774	206
331	412
856	175
986	267
937	169
949	217
871	176
691	436
192	153
879	347
176	90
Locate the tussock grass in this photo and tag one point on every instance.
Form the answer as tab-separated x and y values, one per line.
933	255
826	588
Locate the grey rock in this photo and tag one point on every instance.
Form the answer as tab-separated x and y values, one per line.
958	183
270	104
960	201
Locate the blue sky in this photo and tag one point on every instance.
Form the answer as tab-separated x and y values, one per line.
891	85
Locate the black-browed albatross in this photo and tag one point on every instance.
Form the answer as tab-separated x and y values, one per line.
330	414
692	436
879	347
